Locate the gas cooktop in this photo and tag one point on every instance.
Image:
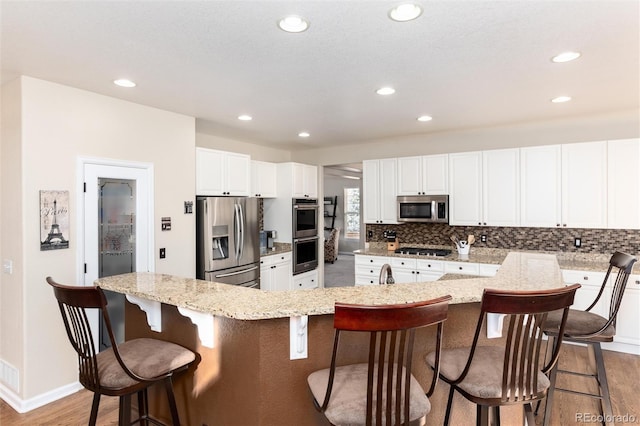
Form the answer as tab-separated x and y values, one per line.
421	251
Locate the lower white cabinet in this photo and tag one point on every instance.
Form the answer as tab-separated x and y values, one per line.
406	270
464	268
591	282
368	269
275	272
627	329
306	280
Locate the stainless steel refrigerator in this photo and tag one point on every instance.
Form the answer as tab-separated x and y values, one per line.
228	240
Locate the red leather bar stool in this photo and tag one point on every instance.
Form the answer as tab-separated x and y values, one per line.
381	391
122	370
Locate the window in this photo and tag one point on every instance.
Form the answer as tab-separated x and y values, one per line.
352	213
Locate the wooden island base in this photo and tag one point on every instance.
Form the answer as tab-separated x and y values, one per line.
247	379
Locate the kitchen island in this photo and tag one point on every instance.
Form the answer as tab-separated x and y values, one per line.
244	374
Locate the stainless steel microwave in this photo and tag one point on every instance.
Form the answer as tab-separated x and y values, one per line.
423	208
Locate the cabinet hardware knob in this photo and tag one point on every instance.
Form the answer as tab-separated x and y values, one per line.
586	278
460	267
428	266
413	272
418	272
557	224
637	281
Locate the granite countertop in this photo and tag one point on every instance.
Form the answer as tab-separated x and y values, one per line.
519	271
277	249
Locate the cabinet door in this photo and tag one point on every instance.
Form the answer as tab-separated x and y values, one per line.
465	185
540	186
501	187
210	173
263	179
435	174
370	192
388	198
281	275
297	180
627	330
310	180
584	185
409	176
623	194
238	174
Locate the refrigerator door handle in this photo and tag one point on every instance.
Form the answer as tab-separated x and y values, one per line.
242	236
230	274
236	230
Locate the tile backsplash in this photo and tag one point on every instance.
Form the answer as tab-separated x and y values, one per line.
603	241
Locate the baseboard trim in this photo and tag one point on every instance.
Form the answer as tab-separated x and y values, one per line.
24	406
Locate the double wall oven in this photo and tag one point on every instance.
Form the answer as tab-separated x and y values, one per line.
305	234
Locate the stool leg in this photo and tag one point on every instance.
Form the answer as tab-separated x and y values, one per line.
482	415
125	411
172	401
447	414
553	374
601	376
143	410
94	409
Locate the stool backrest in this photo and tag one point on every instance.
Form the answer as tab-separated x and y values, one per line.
392	334
526	313
620	264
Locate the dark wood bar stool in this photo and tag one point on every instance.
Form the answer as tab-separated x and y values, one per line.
122	370
492	376
382	391
591	329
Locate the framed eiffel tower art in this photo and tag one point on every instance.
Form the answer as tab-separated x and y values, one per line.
54	220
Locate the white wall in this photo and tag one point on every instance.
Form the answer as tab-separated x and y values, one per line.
257	152
614	125
58	124
333	186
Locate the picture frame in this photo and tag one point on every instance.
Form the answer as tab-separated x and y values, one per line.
54	220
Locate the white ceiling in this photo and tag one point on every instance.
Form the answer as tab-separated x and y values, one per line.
466	63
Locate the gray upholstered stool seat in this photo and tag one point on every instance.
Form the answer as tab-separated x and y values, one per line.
347	405
484	379
580	323
144	357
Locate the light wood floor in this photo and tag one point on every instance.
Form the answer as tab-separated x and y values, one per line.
623	372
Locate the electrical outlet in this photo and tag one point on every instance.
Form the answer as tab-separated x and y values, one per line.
577	241
369	234
483	238
163	253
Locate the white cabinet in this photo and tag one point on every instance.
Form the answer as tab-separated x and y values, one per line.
275	272
484	188
407	270
379	191
367	269
263	179
465	268
222	173
541	186
590	282
423	175
584	185
296	180
623	184
305	280
488	270
465	188
627	330
501	187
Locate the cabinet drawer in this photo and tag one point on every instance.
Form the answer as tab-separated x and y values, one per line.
305	280
487	270
366	280
402	262
377	261
368	271
430	265
275	258
462	268
589	278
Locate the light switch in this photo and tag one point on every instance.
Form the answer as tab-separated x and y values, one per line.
7	266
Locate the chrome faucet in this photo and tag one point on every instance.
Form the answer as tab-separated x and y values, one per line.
386	268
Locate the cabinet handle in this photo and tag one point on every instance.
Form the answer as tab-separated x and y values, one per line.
371	271
371	260
638	282
460	267
418	272
428	266
402	263
586	278
413	272
557	224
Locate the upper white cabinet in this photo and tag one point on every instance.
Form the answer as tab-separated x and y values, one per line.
623	183
423	175
484	188
222	173
501	187
541	186
263	179
379	191
296	180
584	185
465	188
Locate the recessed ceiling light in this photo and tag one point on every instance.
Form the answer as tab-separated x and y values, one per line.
304	134
123	82
566	57
405	12
425	118
245	117
561	99
386	91
293	24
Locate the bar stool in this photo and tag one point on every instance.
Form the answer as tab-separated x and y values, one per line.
382	391
492	376
591	329
122	370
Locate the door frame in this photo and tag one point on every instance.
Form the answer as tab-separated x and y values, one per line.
148	191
